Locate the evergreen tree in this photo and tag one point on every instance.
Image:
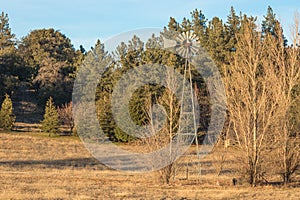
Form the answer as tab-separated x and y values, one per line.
7	118
270	25
53	62
133	56
233	25
199	25
186	25
50	122
121	136
97	64
216	43
173	25
8	77
172	30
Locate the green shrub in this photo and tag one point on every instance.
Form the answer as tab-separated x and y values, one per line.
50	123
7	118
121	136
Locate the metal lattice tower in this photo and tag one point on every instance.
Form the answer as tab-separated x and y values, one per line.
187	46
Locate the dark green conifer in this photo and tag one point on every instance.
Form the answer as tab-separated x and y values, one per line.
7	118
50	122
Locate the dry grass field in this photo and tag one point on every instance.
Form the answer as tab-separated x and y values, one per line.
34	166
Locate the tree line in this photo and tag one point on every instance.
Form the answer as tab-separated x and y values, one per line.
259	66
45	58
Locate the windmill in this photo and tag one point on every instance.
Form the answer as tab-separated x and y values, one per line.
186	46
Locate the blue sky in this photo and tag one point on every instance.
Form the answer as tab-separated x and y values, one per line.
86	21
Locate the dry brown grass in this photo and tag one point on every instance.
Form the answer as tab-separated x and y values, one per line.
33	166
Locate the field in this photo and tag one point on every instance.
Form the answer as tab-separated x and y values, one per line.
34	166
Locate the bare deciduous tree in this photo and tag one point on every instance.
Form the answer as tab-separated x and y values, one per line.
286	61
251	85
218	160
66	116
162	136
260	84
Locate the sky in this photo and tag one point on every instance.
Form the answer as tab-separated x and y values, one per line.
85	21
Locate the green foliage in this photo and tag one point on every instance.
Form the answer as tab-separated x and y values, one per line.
121	136
294	115
173	25
186	25
47	59
199	25
270	25
50	123
52	61
7	118
8	72
217	41
233	25
96	61
104	114
129	56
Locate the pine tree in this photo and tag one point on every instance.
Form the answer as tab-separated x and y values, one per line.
199	25
51	121
233	25
52	60
216	43
8	78
7	118
97	63
173	25
7	39
270	25
186	25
